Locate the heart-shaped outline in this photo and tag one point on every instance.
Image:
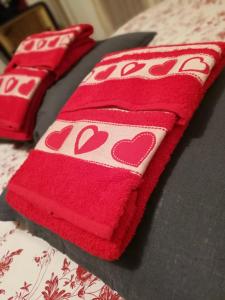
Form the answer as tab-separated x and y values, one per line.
62	133
98	138
10	84
41	43
136	67
52	43
132	141
201	59
104	74
28	45
165	67
26	87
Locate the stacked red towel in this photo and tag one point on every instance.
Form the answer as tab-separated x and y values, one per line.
96	166
54	50
21	91
38	62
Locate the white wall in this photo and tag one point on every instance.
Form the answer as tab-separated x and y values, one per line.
104	15
84	11
149	3
56	9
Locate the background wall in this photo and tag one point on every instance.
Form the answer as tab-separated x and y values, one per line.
105	15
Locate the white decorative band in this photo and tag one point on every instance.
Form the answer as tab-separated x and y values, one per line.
112	145
45	43
198	66
18	85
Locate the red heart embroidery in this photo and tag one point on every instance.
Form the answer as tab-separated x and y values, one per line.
41	44
29	45
131	68
27	87
162	69
55	139
54	42
97	139
133	152
195	64
10	84
105	73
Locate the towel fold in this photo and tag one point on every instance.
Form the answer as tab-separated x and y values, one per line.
38	62
55	51
96	166
19	89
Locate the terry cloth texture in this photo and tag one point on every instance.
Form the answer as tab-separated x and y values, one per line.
118	132
57	95
181	235
54	51
39	61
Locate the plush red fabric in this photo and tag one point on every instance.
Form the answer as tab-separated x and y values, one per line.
55	51
96	166
19	89
38	62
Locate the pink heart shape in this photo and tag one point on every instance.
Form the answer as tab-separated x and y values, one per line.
97	139
41	44
10	84
131	68
27	87
162	69
53	42
133	152
55	139
29	45
190	65
102	75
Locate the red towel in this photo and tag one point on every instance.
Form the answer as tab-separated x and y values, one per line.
19	89
54	50
96	166
38	62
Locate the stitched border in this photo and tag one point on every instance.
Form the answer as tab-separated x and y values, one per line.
167	49
55	132
110	123
90	161
133	140
147	77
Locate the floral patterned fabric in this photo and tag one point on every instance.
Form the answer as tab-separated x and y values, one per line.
11	158
30	269
181	21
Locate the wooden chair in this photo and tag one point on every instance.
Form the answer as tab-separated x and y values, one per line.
34	19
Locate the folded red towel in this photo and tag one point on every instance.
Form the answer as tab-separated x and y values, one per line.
19	90
54	50
94	169
38	62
